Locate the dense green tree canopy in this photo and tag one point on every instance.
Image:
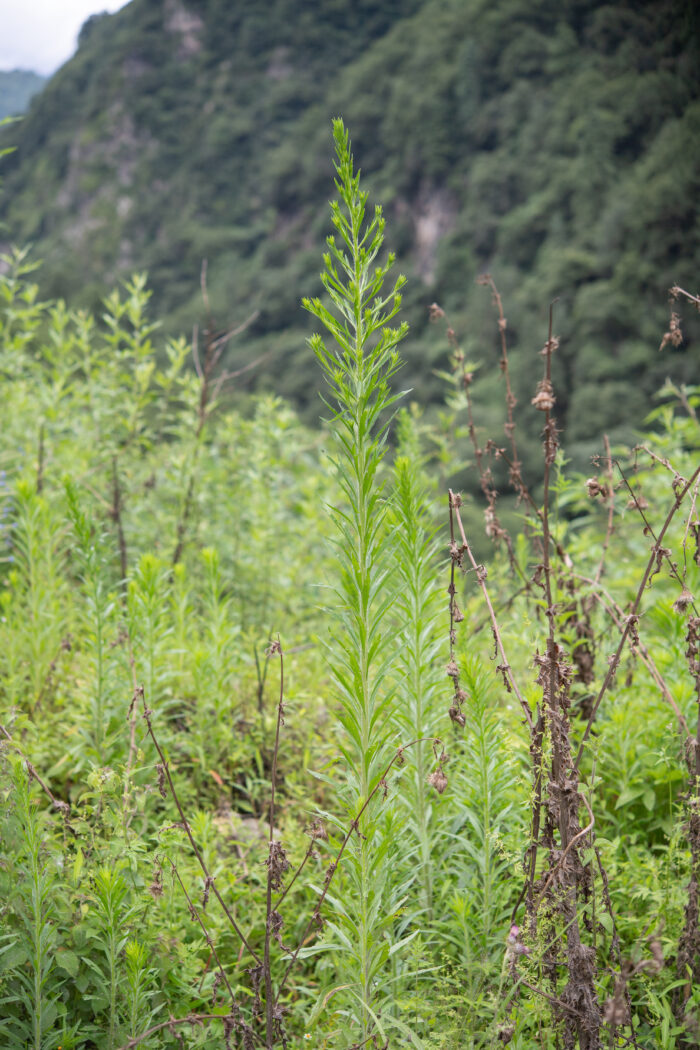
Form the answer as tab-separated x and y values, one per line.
554	144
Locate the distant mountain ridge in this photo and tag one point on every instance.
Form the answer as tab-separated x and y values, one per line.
555	144
17	88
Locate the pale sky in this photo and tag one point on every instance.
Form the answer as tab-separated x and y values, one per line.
43	34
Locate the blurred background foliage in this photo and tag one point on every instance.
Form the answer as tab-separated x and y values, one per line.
17	88
554	144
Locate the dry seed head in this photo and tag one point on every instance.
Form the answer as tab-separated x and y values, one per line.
637	501
683	601
208	883
218	979
274	925
438	780
317	831
457	716
596	489
277	864
156	887
674	335
544	400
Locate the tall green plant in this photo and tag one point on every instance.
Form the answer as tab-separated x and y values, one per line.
420	607
98	615
31	635
358	367
33	1006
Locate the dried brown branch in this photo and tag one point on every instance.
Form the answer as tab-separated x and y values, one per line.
631	620
209	390
617	615
515	466
463	377
611	509
457	553
198	919
676	292
147	714
57	803
560	862
228	1020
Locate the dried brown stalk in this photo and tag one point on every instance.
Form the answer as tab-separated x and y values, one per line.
57	803
207	936
610	497
195	1020
209	390
688	958
493	527
617	615
514	466
457	553
147	714
564	884
657	554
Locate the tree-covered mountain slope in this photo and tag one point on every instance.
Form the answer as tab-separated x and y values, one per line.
17	88
553	143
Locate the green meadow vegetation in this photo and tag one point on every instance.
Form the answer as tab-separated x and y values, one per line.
301	746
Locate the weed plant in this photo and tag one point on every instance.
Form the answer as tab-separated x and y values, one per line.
362	656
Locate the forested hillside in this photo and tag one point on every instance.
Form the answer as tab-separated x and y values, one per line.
17	88
554	144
